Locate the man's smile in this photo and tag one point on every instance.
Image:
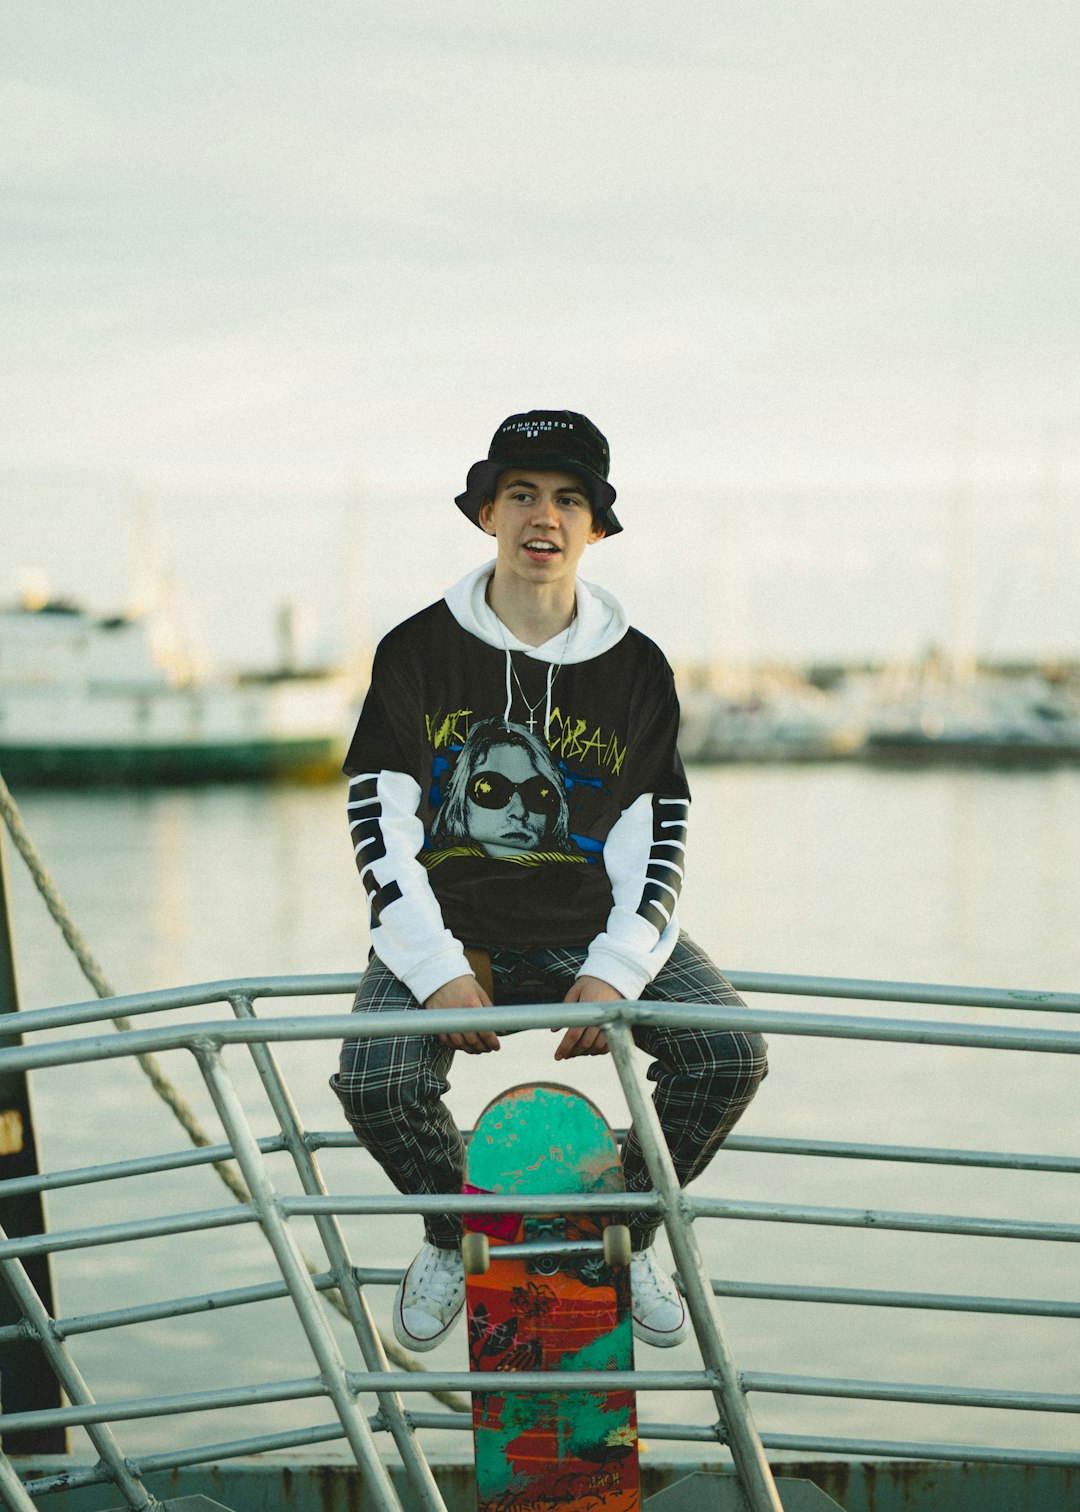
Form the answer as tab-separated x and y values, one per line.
541	548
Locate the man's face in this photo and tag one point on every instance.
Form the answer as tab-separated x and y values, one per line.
542	522
510	804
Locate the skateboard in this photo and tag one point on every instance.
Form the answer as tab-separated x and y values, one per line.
557	1299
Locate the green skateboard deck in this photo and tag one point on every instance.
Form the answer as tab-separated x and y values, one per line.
556	1310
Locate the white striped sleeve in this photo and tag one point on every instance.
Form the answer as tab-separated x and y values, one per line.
407	929
644	856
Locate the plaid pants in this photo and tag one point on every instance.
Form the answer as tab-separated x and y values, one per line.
392	1089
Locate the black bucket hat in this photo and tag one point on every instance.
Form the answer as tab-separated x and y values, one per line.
554	440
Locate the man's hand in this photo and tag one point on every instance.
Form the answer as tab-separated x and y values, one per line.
589	1040
464	992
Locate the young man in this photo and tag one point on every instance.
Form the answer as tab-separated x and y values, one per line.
518	810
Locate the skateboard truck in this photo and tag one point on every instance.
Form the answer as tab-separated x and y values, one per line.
546	1246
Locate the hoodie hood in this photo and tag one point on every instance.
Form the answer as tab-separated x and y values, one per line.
599	624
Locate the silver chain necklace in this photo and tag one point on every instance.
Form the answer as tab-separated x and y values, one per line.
532	707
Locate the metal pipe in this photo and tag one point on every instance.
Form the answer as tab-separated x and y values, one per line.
182	1307
378	1485
327	1139
454	1202
132	1005
511	1019
152	1228
265	1443
904	1391
66	1374
870	990
154	1464
706	1207
119	1233
135	1408
875	1218
12	1492
933	1301
755	1477
354	1302
390	1276
838	1149
195	995
132	1409
531	1381
914	1450
118	1170
681	1433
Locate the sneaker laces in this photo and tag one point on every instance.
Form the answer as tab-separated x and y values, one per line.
439	1274
650	1284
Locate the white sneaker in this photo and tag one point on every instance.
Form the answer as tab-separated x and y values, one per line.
430	1298
659	1314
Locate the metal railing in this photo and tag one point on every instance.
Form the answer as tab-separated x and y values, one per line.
334	1380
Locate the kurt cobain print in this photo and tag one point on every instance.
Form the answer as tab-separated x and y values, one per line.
505	799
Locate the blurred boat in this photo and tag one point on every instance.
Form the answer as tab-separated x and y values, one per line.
86	699
989	720
774	722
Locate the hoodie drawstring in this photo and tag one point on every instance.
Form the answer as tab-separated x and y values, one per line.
552	670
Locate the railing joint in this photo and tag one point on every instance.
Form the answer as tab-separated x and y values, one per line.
205	1045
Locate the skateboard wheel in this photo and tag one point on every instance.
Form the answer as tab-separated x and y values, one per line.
617	1244
475	1254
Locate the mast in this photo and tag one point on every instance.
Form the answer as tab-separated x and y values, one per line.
962	552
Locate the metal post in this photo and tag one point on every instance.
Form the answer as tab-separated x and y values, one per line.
352	1297
66	1371
755	1477
378	1487
12	1492
26	1383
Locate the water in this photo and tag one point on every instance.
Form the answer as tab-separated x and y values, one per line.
936	876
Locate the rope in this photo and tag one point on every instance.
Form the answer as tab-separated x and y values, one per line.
151	1066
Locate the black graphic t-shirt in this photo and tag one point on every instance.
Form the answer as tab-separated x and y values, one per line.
501	781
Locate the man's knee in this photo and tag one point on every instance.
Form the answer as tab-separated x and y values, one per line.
378	1082
724	1057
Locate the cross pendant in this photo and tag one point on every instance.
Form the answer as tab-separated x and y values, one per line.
532	723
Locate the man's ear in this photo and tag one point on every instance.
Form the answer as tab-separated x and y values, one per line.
597	533
487	510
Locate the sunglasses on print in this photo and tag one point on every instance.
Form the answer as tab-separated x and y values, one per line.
491	790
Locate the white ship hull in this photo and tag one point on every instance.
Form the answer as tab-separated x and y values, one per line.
86	701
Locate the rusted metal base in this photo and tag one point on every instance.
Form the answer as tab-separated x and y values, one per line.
882	1485
186	1504
703	1492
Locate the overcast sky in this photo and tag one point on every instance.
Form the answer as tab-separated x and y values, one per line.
814	268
